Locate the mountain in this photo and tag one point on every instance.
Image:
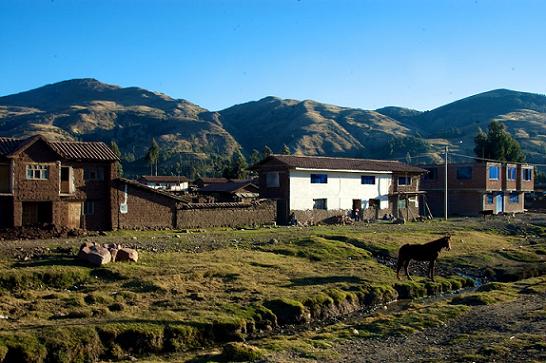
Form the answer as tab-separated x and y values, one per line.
308	127
87	109
195	140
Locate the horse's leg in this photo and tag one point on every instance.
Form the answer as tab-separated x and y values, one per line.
406	264
431	268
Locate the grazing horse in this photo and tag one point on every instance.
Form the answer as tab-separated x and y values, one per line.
421	252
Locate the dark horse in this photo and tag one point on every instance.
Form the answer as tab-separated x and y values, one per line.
421	252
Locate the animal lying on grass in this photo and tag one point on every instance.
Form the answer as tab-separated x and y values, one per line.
421	252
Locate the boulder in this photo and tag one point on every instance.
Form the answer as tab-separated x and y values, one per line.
113	253
85	249
99	256
127	254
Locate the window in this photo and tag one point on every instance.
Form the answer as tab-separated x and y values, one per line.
367	179
404	180
493	173
88	207
319	203
93	173
37	172
272	180
514	197
511	173
432	174
464	173
527	174
490	199
402	203
319	178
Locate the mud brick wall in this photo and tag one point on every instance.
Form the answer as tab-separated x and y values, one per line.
315	216
513	207
260	214
145	208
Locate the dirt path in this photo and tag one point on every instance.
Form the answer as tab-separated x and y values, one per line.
506	332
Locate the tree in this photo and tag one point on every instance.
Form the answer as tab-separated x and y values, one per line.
237	168
497	144
115	148
152	156
267	152
285	150
255	157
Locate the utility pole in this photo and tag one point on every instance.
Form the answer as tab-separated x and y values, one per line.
445	185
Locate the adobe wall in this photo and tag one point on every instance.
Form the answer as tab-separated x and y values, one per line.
261	214
514	207
145	208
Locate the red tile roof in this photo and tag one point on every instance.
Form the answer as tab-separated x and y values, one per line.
323	162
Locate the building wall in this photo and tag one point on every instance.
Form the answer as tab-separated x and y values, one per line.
263	213
145	208
340	190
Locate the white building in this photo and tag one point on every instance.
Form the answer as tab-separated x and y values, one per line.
165	182
325	186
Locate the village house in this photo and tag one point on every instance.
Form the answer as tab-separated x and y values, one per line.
63	183
474	188
171	183
316	188
231	191
205	181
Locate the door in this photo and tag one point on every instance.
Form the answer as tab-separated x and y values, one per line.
357	209
74	210
498	203
37	213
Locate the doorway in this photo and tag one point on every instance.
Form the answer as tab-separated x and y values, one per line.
37	213
374	204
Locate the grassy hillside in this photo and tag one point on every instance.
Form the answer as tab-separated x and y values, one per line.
308	127
87	109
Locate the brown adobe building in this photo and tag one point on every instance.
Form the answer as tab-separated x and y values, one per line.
64	183
478	187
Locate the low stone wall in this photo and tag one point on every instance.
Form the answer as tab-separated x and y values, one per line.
226	215
317	216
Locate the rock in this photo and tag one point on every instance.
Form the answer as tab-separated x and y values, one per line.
85	249
355	332
127	254
273	241
99	256
113	253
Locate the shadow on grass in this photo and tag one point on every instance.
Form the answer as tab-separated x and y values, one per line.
308	281
51	261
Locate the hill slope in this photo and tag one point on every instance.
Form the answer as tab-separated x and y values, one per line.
90	110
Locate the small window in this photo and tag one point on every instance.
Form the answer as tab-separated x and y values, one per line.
319	178
527	174
404	180
493	173
319	203
514	197
511	173
490	199
367	179
89	208
37	172
464	173
432	174
93	173
272	180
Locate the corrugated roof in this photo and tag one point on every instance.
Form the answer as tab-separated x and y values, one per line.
83	150
71	150
322	162
136	184
206	180
9	145
164	178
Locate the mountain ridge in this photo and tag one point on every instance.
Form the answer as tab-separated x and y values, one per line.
88	109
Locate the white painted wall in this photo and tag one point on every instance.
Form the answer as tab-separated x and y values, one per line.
168	186
341	189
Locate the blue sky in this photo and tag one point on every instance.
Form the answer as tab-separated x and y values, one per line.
367	54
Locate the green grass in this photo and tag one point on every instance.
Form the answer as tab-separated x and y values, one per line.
225	284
